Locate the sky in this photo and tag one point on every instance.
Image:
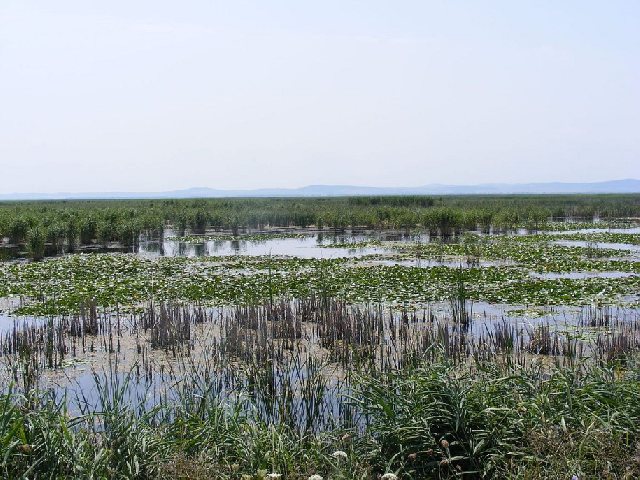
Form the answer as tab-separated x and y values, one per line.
156	95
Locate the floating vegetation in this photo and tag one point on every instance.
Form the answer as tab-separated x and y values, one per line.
602	237
573	225
61	285
255	237
443	343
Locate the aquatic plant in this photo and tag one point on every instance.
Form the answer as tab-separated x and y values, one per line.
247	367
35	243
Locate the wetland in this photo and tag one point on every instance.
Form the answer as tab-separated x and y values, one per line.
473	337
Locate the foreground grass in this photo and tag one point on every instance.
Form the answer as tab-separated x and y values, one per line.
433	420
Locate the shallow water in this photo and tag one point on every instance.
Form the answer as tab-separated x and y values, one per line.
306	247
77	379
313	245
598	245
155	372
579	275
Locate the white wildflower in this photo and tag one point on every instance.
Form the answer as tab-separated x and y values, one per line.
274	475
339	454
315	477
389	476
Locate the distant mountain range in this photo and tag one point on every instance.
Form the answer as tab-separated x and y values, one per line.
613	186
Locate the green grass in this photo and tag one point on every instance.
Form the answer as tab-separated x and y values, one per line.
504	421
432	420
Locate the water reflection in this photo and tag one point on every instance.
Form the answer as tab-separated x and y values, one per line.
309	246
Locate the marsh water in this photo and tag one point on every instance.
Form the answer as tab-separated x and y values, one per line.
158	369
295	243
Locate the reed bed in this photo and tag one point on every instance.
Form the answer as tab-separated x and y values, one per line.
39	228
318	386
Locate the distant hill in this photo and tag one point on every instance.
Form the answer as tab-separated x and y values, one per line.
613	186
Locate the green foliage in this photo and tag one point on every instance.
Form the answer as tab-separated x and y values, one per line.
35	243
498	421
60	285
105	221
433	420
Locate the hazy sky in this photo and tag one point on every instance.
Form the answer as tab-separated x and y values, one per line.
159	95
